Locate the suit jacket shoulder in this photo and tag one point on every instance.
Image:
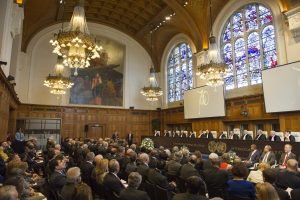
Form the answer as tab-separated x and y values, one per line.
131	193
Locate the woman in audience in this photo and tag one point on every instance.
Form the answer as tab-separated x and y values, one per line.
238	187
265	191
225	162
256	176
101	170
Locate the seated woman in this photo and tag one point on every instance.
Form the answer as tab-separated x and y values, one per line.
257	175
225	162
238	187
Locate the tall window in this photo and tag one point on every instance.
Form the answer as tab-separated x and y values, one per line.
180	72
248	45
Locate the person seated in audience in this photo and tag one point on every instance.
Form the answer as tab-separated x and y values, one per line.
256	176
290	177
253	156
112	182
286	156
223	135
132	192
3	155
265	191
82	192
101	171
143	167
185	156
225	162
196	190
200	162
188	170
238	187
273	137
288	137
269	176
233	136
267	156
215	178
173	166
9	192
57	178
246	135
131	165
193	134
260	136
73	179
87	168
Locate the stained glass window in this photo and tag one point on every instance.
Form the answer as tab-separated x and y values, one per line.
179	72
248	45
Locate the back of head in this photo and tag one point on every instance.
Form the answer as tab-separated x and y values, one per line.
265	191
83	192
269	175
153	163
73	175
214	159
134	180
8	192
239	170
132	156
178	156
193	159
144	158
113	166
195	185
90	156
262	166
292	165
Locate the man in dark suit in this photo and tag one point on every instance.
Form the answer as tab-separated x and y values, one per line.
233	136
173	166
246	136
87	168
260	136
112	183
193	134
286	156
288	137
195	190
223	135
216	179
206	134
290	177
143	167
188	170
269	176
267	156
132	192
129	138
73	179
253	156
57	178
273	137
115	136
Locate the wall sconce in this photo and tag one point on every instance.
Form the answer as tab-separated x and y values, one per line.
244	110
20	3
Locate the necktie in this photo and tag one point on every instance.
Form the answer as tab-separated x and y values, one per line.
285	159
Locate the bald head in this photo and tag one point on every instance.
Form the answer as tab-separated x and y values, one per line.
292	165
113	166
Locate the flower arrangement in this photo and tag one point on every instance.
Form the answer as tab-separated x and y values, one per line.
232	156
147	143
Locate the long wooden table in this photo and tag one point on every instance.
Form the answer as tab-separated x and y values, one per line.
219	146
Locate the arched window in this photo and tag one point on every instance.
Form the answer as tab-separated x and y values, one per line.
248	45
179	72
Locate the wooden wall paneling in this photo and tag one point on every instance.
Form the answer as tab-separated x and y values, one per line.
289	121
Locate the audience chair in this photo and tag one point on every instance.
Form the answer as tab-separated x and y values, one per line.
180	185
161	193
150	189
295	194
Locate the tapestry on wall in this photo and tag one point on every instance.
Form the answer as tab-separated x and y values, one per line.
102	82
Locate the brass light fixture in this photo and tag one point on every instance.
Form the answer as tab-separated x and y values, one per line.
57	82
75	44
214	70
153	91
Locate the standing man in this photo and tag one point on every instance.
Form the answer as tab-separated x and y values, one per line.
129	138
115	136
20	135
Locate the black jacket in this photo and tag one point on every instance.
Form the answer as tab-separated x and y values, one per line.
57	180
112	184
86	169
131	193
276	138
188	196
287	179
187	171
261	137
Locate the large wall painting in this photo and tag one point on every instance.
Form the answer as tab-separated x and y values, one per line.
101	83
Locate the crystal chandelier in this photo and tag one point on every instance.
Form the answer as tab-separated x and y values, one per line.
58	83
75	44
214	69
153	91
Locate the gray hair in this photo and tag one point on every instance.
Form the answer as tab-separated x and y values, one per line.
134	180
90	156
7	192
73	175
144	158
113	166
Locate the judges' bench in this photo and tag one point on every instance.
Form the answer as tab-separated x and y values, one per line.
219	146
